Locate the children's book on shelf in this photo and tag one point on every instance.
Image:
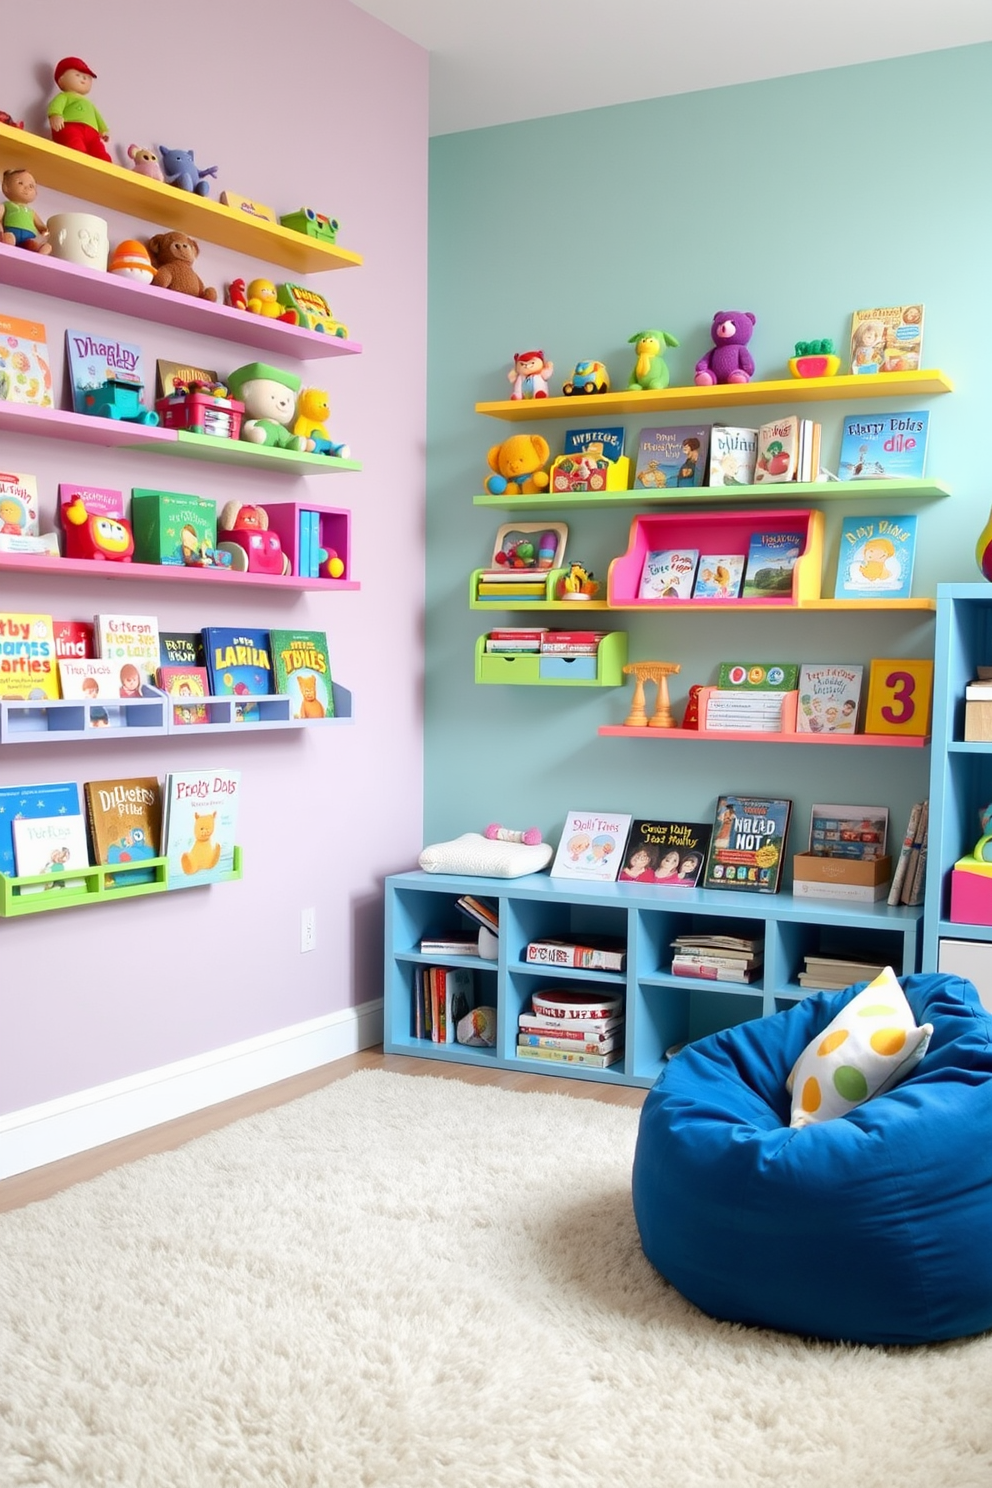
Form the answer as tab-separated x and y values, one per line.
771	559
58	799
887	339
73	639
50	844
788	450
91	680
591	845
764	676
99	501
591	953
748	844
168	374
876	557
125	825
566	1056
301	669
733	454
28	664
186	684
25	366
94	358
181	648
555	1002
719	576
672	853
907	875
584	1030
668	573
485	912
673	457
884	446
18	504
131	643
829	695
200	811
858	832
597	439
239	665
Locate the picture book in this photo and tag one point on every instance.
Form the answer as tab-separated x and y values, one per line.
89	680
777	450
606	441
591	845
239	665
181	648
50	844
25	367
673	457
125	825
668	573
829	694
719	576
73	639
876	557
771	560
200	818
665	852
93	359
884	446
60	799
131	643
733	454
889	339
764	676
99	501
167	374
187	683
848	831
748	844
301	669
18	504
27	656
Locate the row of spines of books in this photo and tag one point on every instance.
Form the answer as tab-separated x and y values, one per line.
567	1027
538	641
909	878
51	829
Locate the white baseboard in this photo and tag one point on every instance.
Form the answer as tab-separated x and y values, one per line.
74	1123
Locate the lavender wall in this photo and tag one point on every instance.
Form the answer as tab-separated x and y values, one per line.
90	996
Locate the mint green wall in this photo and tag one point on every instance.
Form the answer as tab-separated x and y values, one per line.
570	233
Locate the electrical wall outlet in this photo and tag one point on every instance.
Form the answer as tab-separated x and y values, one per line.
308	930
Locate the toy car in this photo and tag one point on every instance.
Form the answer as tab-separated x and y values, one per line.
119	399
310	309
306	220
588	377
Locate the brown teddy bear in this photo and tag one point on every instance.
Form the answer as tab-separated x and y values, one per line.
173	255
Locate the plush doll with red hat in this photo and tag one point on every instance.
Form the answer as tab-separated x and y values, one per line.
72	118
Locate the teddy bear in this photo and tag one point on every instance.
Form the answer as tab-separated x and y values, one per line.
269	396
517	463
173	255
728	360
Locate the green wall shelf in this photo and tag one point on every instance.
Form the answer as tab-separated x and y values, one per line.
605	669
724	495
14	903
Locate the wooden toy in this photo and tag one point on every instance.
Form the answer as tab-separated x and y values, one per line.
269	398
131	260
119	398
305	307
96	535
814	359
313	406
728	359
495	833
650	371
312	223
73	120
588	377
145	162
243	532
173	255
529	375
22	227
181	170
899	697
657	672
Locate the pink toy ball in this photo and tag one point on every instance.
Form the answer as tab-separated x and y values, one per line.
728	360
531	837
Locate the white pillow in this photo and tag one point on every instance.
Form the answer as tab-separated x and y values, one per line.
485	857
871	1045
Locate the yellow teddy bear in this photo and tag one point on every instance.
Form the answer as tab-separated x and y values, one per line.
517	463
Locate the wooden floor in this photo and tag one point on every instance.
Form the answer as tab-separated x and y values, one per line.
41	1183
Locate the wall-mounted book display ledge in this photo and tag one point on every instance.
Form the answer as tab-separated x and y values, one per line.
165	573
868	490
38	893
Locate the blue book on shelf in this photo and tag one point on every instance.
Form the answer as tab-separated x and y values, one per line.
884	446
315	549
303	560
876	558
32	801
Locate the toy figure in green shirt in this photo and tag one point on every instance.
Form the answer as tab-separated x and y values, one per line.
72	118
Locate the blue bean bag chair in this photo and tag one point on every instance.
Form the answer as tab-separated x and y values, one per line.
873	1227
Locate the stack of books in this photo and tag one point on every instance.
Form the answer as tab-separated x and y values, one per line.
515	640
502	584
758	712
569	1027
718	958
834	973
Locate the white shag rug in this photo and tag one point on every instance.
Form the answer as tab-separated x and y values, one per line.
418	1282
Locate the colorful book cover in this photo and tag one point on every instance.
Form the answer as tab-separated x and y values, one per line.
876	557
28	664
771	559
239	664
748	844
778	450
829	694
25	367
673	457
758	676
93	358
99	501
884	446
167	374
606	441
201	811
719	576
50	844
18	504
131	643
186	683
181	648
888	339
733	454
73	639
91	680
672	853
591	845
668	573
125	824
301	668
60	799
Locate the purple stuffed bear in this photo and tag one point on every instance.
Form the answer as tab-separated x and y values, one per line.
729	359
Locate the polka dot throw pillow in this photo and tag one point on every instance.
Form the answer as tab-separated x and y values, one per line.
869	1047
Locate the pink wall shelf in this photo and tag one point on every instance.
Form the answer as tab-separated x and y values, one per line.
81	428
101	291
335	532
741	736
164	573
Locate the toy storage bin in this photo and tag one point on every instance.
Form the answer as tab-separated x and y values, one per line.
201	413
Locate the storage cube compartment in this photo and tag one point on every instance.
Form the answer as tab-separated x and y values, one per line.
333	534
723	531
170	527
659	928
531	668
887	945
971	895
